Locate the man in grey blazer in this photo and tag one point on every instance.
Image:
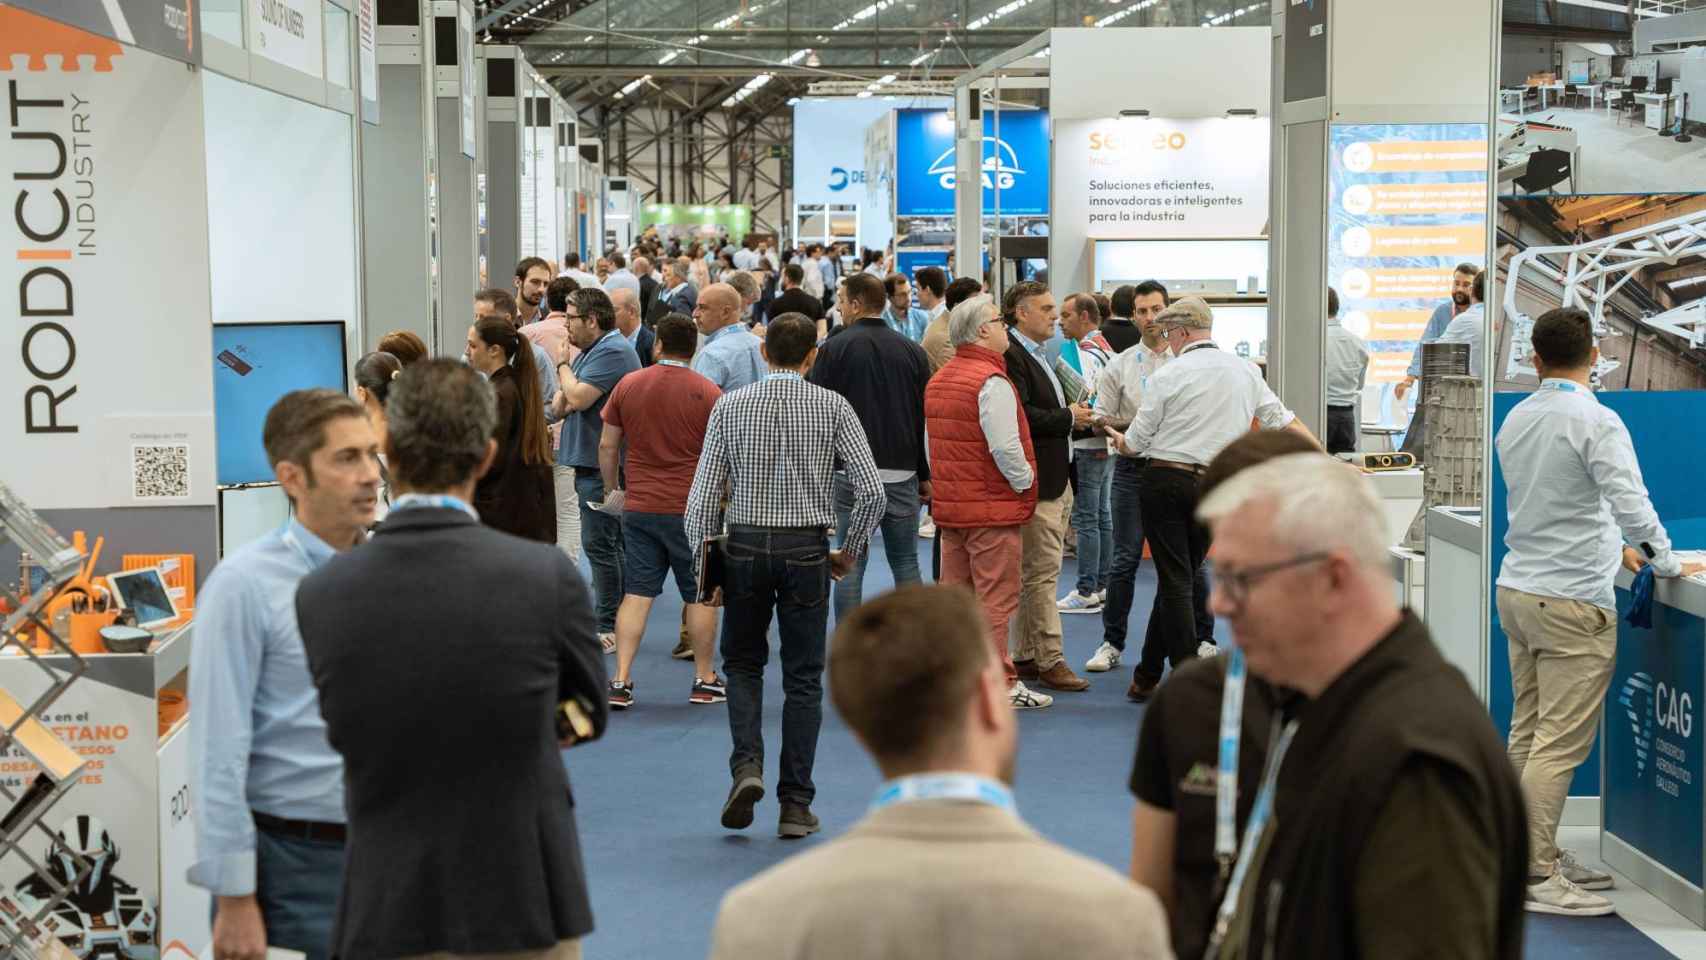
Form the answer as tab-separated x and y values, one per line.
942	866
441	651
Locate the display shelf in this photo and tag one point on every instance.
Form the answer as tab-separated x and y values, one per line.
171	654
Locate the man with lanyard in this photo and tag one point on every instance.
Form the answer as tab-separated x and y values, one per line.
731	355
268	799
1197	404
1184	831
1575	494
943	864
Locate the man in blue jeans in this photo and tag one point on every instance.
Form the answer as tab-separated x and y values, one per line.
771	450
882	375
1092	520
583	387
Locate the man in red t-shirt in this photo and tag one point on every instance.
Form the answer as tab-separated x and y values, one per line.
660	414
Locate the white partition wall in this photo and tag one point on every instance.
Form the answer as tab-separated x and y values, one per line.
397	170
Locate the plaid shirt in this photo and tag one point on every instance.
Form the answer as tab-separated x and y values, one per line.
774	446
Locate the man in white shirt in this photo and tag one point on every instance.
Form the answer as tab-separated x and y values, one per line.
1198	403
813	282
572	268
621	278
1347	371
1470	327
1573	486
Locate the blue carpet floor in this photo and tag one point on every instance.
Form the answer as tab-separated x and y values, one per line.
650	791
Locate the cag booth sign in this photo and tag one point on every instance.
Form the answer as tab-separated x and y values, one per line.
1016	163
1653	745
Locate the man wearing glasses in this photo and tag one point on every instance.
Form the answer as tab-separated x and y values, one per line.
1195	405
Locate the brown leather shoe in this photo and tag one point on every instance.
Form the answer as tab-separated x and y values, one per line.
1141	690
1061	677
1027	669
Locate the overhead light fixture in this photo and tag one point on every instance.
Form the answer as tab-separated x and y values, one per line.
1242	112
886	78
1134	113
864	93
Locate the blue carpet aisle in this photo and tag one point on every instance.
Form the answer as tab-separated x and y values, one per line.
650	792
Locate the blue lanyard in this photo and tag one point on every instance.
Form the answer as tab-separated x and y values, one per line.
1226	782
944	786
1260	814
673	363
421	501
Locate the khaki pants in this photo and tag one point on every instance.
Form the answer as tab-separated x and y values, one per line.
565	950
1038	635
1561	659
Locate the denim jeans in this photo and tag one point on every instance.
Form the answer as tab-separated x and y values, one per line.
601	538
899	526
785	572
297	883
1092	519
1178	544
1128	556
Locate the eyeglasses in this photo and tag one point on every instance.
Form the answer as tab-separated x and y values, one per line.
571	316
1237	583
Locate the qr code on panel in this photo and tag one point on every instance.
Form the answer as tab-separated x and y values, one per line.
160	472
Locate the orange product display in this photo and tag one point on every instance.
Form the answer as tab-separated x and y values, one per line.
173	706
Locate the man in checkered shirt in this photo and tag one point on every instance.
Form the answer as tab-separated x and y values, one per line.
771	449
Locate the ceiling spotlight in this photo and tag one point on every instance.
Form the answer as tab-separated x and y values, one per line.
1242	112
1134	113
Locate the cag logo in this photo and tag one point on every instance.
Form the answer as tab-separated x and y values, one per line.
1002	169
1674	709
1637	701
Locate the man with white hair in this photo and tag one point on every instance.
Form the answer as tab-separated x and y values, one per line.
1388	816
748	287
639	336
984	473
1202	400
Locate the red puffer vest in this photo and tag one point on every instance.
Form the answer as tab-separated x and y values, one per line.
970	490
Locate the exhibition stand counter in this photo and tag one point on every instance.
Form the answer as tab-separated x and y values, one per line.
1454	578
1652	742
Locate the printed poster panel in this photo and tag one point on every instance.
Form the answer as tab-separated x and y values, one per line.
108	219
465	70
171	28
367	24
288	32
1130	178
1408	202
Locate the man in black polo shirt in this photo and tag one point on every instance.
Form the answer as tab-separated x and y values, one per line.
1135	309
882	374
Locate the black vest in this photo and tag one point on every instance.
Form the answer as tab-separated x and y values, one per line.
1401	700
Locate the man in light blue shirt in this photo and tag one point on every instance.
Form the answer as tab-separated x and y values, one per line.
731	357
268	790
1461	280
900	314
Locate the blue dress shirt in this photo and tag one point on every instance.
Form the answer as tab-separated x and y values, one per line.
731	358
257	740
912	326
1435	329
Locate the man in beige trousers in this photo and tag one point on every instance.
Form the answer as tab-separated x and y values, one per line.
1575	490
942	866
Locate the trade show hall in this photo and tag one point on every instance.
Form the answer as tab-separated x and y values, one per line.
580	480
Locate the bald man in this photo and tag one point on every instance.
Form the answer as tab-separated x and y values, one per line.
642	338
732	356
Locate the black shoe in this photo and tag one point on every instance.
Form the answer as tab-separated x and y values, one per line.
1141	689
748	789
797	821
621	695
683	650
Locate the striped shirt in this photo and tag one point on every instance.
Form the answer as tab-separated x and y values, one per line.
774	446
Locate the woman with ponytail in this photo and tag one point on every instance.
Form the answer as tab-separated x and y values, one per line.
516	495
373	375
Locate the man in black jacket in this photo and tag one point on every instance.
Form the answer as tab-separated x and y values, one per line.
444	703
882	374
648	286
792	299
1134	309
1029	310
1398	826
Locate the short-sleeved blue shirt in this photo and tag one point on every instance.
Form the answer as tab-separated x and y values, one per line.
608	361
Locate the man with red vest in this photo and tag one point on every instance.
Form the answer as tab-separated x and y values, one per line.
984	472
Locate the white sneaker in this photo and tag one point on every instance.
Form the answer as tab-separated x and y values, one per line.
1102	596
1024	698
1582	875
927	529
1557	895
1206	650
1106	658
1076	602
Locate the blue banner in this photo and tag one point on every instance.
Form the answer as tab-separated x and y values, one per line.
1017	161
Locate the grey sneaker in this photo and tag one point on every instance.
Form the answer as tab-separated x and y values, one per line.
748	789
797	821
1558	896
1578	873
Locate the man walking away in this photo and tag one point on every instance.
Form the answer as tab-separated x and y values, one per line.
1347	371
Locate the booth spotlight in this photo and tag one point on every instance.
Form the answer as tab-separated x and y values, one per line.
1242	112
1134	113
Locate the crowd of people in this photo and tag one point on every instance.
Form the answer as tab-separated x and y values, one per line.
750	432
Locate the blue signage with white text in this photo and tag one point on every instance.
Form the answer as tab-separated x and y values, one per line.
1017	161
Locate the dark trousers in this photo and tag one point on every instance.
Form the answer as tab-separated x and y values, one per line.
1178	543
601	538
296	884
785	572
1128	556
1341	429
